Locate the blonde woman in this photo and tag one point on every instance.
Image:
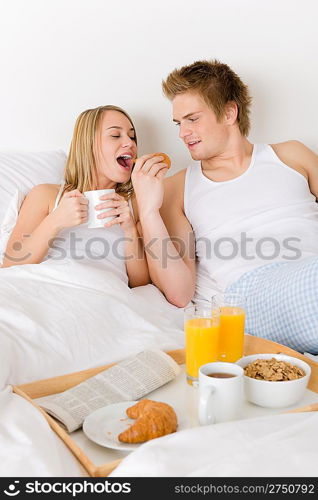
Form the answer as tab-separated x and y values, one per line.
52	220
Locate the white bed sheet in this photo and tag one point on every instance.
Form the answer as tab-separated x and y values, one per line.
272	446
29	448
59	317
69	316
63	316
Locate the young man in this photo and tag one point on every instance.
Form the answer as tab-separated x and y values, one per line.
241	218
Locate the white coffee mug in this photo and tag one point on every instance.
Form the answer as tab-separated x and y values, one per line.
220	392
93	200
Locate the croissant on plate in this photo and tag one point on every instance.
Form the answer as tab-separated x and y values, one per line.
154	419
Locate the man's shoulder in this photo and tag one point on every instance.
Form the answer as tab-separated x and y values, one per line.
296	155
293	149
176	178
289	146
174	185
174	193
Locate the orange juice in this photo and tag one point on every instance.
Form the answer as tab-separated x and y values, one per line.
202	343
232	321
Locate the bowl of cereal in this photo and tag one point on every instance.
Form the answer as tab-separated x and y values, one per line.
274	380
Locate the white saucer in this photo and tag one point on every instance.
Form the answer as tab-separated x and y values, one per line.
103	425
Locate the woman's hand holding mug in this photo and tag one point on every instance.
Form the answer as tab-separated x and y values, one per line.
117	209
72	210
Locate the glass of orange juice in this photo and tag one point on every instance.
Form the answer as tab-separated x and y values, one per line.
231	307
202	330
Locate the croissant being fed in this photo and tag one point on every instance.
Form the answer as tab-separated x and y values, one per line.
154	419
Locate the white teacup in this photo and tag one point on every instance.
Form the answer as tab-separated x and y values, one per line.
93	200
221	392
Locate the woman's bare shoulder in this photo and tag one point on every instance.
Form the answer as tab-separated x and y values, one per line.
43	194
45	188
49	187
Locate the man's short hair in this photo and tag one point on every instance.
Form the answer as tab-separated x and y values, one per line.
216	83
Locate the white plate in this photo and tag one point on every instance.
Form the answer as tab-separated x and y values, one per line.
103	425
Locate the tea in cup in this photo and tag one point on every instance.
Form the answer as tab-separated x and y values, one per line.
221	392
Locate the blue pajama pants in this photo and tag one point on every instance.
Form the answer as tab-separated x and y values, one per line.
282	303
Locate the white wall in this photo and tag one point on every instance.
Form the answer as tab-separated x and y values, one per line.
59	57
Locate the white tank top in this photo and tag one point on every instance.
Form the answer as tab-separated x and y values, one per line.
102	248
265	215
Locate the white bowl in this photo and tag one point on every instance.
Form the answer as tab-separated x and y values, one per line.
275	394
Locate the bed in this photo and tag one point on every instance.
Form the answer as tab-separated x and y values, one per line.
61	318
99	320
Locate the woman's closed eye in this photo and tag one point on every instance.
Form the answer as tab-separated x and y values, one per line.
118	136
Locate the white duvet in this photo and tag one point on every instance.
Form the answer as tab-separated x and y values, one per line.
274	446
61	316
67	316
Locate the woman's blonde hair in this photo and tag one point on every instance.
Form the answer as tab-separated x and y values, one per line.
216	83
81	168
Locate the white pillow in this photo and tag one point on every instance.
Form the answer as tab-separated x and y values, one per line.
23	170
9	220
19	173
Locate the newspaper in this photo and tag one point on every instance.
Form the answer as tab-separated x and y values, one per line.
128	380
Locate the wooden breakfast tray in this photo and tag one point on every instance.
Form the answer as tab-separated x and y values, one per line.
252	345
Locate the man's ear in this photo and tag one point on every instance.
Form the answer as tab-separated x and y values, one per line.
230	112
